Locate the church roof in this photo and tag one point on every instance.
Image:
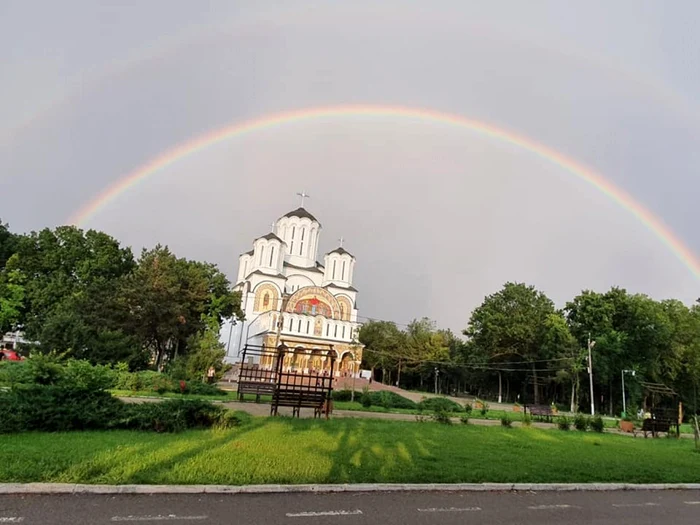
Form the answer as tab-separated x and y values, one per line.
260	272
251	252
301	213
271	236
308	269
341	287
342	251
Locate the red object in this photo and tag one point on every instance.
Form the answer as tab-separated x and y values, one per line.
182	387
11	355
314	301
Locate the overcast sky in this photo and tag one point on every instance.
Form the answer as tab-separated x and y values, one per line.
437	216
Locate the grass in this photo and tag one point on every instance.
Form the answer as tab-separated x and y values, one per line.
228	396
284	450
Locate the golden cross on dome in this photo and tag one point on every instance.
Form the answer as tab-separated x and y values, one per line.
303	195
341	241
272	227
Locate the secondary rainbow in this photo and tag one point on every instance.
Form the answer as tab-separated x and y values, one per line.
622	198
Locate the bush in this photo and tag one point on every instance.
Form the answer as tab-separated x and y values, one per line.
366	398
484	409
342	395
59	408
175	415
439	403
82	374
506	421
563	423
442	416
202	389
597	424
527	419
389	399
468	408
56	408
464	419
581	422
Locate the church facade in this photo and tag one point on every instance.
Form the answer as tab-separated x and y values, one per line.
317	303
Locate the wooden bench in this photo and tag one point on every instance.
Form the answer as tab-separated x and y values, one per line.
301	398
655	426
255	387
541	411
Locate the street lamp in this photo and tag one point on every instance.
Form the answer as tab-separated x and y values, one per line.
624	406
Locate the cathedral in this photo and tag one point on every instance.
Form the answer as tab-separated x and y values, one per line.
317	302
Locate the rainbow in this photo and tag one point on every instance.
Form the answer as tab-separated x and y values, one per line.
170	157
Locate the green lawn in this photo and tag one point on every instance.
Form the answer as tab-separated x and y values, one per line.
283	450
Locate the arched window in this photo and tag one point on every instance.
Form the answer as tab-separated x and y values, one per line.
343	332
291	321
262	253
299	326
266	300
272	255
334	269
335	332
342	311
328	328
291	244
308	326
343	277
301	244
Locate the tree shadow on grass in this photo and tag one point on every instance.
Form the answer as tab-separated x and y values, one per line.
154	461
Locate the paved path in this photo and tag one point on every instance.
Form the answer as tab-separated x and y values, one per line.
544	508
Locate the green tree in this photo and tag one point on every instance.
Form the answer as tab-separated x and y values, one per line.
166	300
11	300
68	278
384	347
8	243
512	323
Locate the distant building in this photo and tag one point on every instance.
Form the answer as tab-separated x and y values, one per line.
320	302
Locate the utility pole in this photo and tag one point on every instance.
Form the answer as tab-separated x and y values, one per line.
591	344
624	404
437	372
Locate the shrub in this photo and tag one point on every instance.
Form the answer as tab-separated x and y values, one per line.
366	398
581	422
468	408
55	408
464	419
527	419
484	408
14	373
389	399
563	423
342	395
597	424
442	416
202	389
174	415
82	374
439	403
506	421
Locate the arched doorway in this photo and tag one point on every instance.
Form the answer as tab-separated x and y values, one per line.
346	367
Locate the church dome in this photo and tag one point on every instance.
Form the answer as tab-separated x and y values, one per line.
301	213
341	251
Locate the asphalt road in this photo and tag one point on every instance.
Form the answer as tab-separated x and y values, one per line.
574	508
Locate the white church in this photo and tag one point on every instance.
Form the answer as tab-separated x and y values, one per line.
319	301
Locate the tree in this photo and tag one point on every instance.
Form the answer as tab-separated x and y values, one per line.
11	300
166	300
512	322
68	278
8	243
384	347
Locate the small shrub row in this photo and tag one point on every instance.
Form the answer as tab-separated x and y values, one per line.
58	408
50	370
435	404
582	422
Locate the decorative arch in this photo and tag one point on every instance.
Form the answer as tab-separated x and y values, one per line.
311	293
266	297
345	307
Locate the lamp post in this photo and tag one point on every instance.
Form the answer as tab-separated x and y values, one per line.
624	406
591	344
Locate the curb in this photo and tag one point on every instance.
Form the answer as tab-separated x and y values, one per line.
71	488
